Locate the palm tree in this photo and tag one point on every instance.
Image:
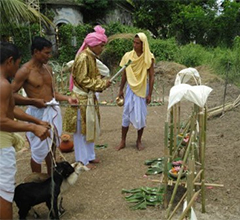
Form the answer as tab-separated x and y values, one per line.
17	12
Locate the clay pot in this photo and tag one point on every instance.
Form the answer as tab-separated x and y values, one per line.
66	144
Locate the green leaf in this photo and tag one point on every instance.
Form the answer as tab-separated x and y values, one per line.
149	162
135	190
101	146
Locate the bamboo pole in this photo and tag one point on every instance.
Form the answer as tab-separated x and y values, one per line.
179	177
190	178
166	158
184	133
196	184
189	204
177	206
179	116
204	121
175	209
175	126
171	132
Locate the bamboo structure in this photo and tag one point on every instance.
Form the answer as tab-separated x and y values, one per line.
191	153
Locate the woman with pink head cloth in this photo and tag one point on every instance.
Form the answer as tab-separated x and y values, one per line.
84	120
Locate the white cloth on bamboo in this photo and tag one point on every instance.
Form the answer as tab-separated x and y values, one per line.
92	121
135	110
186	74
84	151
195	94
51	114
7	173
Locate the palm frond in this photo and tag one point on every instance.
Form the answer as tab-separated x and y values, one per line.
16	11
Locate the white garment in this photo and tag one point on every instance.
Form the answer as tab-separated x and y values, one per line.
84	151
135	110
51	114
7	173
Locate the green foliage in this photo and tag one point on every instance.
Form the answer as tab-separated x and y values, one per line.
153	15
226	62
191	55
22	36
118	47
67	34
164	49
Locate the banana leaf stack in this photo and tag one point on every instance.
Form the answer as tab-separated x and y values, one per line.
144	196
155	166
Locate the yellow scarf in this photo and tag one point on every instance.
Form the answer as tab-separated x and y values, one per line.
137	70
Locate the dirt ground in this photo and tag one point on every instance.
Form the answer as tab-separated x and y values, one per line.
97	194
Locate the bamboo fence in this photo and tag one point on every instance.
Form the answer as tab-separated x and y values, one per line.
192	155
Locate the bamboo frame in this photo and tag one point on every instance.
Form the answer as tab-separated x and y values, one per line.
194	155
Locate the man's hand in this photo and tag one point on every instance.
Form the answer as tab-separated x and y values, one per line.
108	83
45	124
39	103
41	132
72	101
121	94
148	99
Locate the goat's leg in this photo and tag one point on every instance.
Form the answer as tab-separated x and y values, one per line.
55	207
61	210
23	211
34	213
50	208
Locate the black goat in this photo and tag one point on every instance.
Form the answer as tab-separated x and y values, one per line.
30	194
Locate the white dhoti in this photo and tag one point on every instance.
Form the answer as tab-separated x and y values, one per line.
51	114
7	173
135	110
84	151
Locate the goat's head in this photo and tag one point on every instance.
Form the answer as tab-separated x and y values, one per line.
64	169
78	166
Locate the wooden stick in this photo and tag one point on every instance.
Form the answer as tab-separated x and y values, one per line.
196	184
189	205
177	206
179	176
166	156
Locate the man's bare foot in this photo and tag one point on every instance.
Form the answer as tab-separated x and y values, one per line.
95	161
120	146
139	146
91	166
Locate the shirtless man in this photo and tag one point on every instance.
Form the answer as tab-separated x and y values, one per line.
36	78
9	63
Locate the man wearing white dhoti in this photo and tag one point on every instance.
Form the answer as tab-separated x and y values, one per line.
10	59
85	82
138	92
35	77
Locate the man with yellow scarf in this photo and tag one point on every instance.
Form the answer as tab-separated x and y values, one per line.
139	76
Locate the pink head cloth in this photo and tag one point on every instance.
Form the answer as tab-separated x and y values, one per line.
92	39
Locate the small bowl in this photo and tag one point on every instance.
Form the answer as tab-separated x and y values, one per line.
175	175
120	101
